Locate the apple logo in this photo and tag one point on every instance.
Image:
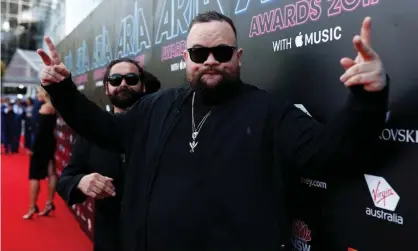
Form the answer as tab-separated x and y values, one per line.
299	40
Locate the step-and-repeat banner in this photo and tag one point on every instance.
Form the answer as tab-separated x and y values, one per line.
84	212
294	47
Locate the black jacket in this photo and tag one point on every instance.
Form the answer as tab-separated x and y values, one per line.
254	138
88	158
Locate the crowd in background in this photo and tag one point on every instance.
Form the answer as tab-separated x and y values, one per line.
17	117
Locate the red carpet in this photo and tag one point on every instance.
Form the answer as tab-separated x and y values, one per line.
59	232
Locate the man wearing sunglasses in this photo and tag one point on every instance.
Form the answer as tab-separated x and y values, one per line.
206	162
98	173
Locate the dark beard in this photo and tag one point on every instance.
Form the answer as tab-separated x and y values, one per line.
125	98
217	94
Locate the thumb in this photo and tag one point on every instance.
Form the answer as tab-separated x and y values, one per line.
62	70
346	63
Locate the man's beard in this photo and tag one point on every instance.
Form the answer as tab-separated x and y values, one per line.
213	95
124	97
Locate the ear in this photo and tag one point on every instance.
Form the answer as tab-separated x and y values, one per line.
144	88
185	55
106	89
239	55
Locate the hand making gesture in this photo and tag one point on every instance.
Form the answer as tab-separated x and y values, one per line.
54	71
367	69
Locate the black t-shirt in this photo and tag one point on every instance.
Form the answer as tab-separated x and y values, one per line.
180	183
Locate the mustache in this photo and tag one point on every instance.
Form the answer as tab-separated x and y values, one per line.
123	89
209	69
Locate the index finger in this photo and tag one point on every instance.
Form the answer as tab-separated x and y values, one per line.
105	186
109	184
105	180
52	50
109	191
363	49
45	58
365	32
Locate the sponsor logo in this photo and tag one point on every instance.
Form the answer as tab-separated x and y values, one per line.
313	183
407	136
385	200
308	39
301	236
399	135
318	37
178	66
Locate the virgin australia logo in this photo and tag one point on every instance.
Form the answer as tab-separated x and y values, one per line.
384	197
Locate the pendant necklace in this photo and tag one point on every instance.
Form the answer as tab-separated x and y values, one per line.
196	130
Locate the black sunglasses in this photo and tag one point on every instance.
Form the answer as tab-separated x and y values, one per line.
130	79
222	53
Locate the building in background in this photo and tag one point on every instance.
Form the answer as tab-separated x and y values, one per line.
22	30
74	15
23	25
55	23
67	16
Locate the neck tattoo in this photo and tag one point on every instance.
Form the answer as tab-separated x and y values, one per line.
196	130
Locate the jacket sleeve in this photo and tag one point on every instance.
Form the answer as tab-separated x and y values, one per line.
310	146
90	121
73	172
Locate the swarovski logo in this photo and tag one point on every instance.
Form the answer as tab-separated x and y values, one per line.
399	135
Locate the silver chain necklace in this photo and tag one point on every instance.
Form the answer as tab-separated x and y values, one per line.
196	130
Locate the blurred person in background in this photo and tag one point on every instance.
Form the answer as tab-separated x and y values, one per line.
18	118
28	117
8	118
36	106
4	102
42	160
91	170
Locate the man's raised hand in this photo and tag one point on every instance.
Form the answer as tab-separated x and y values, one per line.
54	71
367	69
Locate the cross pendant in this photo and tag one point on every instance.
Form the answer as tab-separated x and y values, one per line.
193	145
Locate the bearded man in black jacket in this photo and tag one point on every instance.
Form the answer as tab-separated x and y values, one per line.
206	161
98	173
